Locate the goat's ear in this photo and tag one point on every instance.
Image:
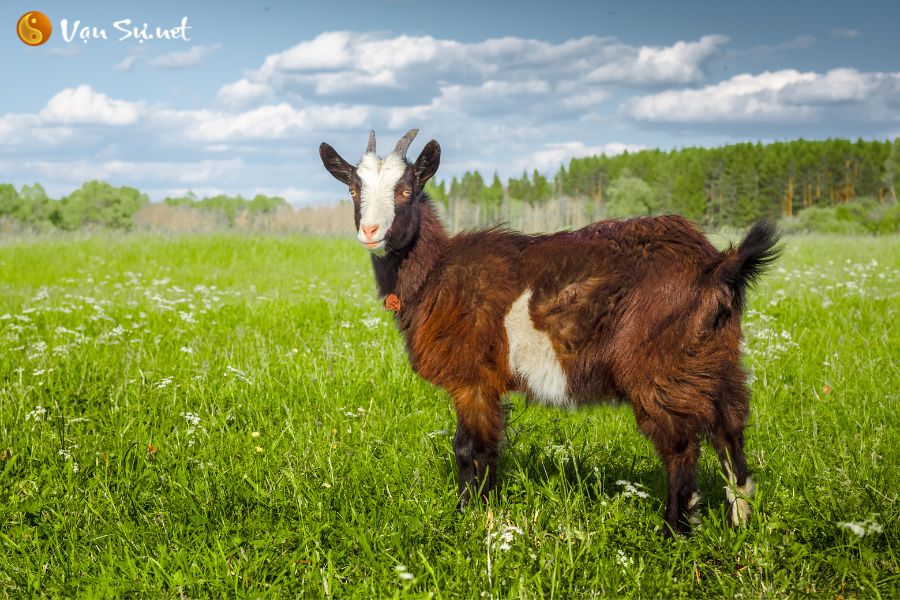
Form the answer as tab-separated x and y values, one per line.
427	163
339	168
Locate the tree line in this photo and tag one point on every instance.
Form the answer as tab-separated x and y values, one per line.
730	185
98	204
725	186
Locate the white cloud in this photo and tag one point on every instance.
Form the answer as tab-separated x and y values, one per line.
75	172
184	59
680	63
502	104
837	86
17	130
463	101
84	106
126	63
780	96
844	33
243	92
343	62
587	100
268	122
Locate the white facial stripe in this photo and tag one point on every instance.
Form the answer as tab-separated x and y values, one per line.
531	356
378	178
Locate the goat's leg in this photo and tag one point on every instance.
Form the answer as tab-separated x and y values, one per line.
478	431
677	444
730	448
680	459
464	449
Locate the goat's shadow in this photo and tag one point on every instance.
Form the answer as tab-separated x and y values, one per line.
598	472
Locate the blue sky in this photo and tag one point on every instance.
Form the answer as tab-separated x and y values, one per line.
504	86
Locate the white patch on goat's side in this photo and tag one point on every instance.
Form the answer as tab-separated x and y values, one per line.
532	358
737	496
376	196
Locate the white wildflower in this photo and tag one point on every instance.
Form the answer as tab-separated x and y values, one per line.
505	536
164	383
631	489
861	528
777	297
402	573
37	350
559	453
37	414
193	425
624	560
371	322
186	350
239	374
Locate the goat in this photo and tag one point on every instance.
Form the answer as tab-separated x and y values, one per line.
644	309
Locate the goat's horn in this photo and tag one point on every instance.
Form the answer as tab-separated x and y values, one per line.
404	142
371	147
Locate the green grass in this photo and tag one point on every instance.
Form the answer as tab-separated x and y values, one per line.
296	453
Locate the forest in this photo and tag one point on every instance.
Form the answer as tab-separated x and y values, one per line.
830	185
725	186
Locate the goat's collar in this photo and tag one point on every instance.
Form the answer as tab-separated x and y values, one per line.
392	302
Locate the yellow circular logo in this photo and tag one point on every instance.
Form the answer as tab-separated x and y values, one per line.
34	28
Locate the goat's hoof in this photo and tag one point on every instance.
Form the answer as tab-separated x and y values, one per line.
739	512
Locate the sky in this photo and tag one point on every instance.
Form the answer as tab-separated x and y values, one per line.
240	100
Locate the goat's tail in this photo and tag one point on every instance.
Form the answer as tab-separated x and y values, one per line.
742	266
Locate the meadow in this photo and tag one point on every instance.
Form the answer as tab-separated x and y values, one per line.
234	415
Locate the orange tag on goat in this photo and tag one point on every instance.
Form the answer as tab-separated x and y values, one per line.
392	302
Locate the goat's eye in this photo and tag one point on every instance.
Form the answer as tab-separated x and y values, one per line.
405	194
354	193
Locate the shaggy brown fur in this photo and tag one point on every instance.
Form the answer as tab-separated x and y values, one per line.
644	309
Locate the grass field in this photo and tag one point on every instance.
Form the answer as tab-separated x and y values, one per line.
226	415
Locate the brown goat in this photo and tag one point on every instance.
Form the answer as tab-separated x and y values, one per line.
644	309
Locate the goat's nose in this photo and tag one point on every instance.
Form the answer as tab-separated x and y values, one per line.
369	231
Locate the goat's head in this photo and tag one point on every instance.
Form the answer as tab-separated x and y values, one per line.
386	191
